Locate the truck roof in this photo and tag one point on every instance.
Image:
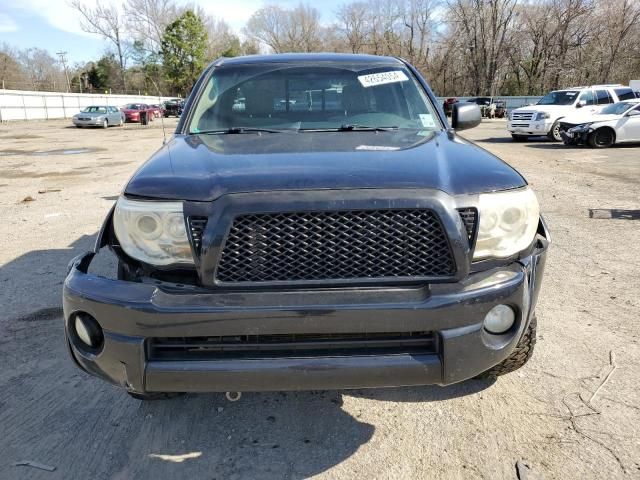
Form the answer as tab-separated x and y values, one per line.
610	85
309	57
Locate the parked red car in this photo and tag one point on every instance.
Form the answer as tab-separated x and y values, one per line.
448	105
158	110
133	111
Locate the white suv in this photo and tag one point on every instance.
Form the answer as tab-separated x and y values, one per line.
543	117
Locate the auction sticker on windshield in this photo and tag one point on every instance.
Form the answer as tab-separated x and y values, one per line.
427	120
382	78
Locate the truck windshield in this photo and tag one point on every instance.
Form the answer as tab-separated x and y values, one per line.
559	98
302	97
617	108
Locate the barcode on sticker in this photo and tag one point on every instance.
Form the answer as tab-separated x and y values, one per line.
381	78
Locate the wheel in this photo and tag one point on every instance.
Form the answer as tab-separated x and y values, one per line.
602	138
145	397
520	356
121	124
554	133
519	138
105	123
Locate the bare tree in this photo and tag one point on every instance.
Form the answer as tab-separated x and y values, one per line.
420	28
484	26
222	41
147	19
12	74
286	30
616	20
463	47
106	21
353	25
41	69
267	25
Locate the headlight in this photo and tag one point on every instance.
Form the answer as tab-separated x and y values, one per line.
542	116
152	232
581	128
508	223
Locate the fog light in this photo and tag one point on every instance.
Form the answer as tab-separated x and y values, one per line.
499	319
88	330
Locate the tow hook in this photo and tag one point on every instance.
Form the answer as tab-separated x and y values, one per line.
233	396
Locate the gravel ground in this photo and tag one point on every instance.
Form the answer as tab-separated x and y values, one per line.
572	412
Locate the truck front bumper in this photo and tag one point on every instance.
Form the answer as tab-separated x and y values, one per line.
533	128
132	315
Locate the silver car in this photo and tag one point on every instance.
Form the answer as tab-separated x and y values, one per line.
98	116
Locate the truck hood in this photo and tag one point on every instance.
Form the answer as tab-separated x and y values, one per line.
552	109
90	114
204	167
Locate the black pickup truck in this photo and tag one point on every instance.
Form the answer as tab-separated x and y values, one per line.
314	223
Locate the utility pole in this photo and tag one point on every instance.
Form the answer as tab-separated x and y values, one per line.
64	65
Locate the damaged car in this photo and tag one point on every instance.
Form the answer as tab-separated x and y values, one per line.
346	237
615	124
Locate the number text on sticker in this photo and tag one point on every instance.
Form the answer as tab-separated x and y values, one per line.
381	78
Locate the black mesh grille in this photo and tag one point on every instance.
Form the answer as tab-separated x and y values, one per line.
335	245
469	217
196	228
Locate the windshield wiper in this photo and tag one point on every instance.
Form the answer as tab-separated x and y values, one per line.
236	130
350	127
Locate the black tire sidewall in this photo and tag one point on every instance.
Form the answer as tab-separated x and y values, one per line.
594	135
552	133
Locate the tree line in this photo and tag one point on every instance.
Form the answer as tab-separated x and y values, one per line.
462	47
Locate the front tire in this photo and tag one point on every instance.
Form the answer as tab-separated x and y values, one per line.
105	123
602	138
519	138
554	133
520	356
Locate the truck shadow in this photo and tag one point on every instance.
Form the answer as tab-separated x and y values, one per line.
427	393
33	281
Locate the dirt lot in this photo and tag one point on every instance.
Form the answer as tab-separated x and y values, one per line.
551	415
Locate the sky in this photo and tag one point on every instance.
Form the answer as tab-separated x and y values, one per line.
54	26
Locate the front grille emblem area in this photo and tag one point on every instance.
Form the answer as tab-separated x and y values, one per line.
335	245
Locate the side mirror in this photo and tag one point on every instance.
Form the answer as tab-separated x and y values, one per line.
465	116
581	103
633	113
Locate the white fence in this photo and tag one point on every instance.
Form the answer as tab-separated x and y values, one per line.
25	105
